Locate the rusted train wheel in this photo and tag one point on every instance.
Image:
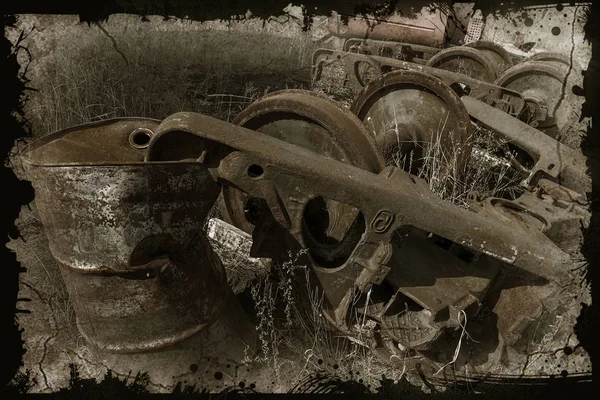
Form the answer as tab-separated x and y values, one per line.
313	122
498	56
466	61
548	101
412	116
551	57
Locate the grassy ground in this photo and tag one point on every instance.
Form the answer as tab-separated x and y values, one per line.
217	73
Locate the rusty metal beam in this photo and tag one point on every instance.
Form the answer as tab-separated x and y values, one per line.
290	176
553	159
475	88
426	30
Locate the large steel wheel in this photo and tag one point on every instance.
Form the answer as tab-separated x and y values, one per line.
498	56
466	61
314	122
415	116
549	104
551	57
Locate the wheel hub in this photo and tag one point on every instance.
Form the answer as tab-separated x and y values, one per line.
313	122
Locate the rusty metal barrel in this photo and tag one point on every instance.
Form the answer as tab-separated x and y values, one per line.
128	237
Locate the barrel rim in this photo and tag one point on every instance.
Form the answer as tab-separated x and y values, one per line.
36	144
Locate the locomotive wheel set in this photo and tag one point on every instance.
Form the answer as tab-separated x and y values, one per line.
398	265
418	97
537	90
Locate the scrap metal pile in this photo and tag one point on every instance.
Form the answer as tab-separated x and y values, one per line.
299	171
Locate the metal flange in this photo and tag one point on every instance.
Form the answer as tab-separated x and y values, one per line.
466	61
412	113
499	57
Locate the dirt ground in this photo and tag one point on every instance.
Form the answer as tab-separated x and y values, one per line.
127	67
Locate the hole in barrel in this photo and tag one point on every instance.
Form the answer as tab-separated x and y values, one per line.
255	171
140	138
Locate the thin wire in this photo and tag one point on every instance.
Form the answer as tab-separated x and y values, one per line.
457	351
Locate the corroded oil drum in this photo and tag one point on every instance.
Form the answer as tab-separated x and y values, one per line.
128	237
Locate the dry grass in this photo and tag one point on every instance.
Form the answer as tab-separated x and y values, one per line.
492	170
333	84
217	73
298	340
486	175
45	285
463	67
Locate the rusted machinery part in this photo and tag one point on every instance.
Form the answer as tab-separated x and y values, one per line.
71	146
125	235
498	56
574	68
393	325
465	61
405	51
319	173
314	122
354	63
410	327
413	114
320	58
547	99
438	301
350	42
424	30
542	209
553	160
552	57
288	177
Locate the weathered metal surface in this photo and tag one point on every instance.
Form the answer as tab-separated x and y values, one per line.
258	164
233	245
548	105
127	235
352	63
498	56
142	201
465	61
427	29
402	51
315	123
408	112
440	282
552	159
553	57
546	152
552	205
552	209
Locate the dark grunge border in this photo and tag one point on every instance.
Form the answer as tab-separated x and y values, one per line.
20	192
